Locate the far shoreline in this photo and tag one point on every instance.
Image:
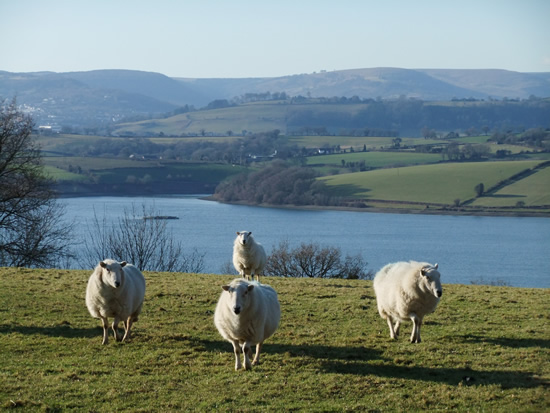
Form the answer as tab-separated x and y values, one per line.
379	210
461	211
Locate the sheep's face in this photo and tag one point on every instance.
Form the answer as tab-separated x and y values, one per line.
238	296
431	278
244	237
112	272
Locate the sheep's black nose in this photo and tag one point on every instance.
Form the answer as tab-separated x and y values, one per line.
237	310
117	284
439	293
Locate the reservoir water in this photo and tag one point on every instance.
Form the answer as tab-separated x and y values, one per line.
469	249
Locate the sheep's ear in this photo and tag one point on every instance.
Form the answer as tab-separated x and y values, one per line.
103	265
435	266
123	263
225	287
250	287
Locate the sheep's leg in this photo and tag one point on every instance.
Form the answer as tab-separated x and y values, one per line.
105	325
417	322
247	350
257	356
396	328
127	326
237	351
115	329
393	334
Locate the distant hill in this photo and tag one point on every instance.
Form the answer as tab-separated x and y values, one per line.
100	97
386	83
84	99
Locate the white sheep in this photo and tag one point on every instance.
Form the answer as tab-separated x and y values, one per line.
247	313
249	256
407	290
115	289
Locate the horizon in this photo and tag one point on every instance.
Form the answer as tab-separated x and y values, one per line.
213	39
270	77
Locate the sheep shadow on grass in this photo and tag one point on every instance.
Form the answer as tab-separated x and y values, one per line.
508	341
60	330
447	375
315	351
364	361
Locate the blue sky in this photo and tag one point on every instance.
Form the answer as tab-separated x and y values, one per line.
244	38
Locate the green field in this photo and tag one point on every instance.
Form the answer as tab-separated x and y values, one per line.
96	163
253	118
533	191
376	159
484	349
439	184
357	142
58	174
116	170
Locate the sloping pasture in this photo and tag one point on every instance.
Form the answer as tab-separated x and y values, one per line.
533	190
439	184
376	159
484	349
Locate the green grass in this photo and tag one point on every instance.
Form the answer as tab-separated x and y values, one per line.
62	175
253	118
357	142
376	159
533	190
484	349
482	139
118	171
441	183
187	172
96	163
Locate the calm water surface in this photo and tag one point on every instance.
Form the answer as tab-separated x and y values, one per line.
504	250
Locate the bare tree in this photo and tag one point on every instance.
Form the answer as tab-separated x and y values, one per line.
138	238
32	232
314	261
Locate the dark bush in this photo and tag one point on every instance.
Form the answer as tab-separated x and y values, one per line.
315	261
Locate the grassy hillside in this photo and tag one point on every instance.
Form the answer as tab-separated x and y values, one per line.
125	176
484	349
439	184
532	190
404	116
376	159
252	117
